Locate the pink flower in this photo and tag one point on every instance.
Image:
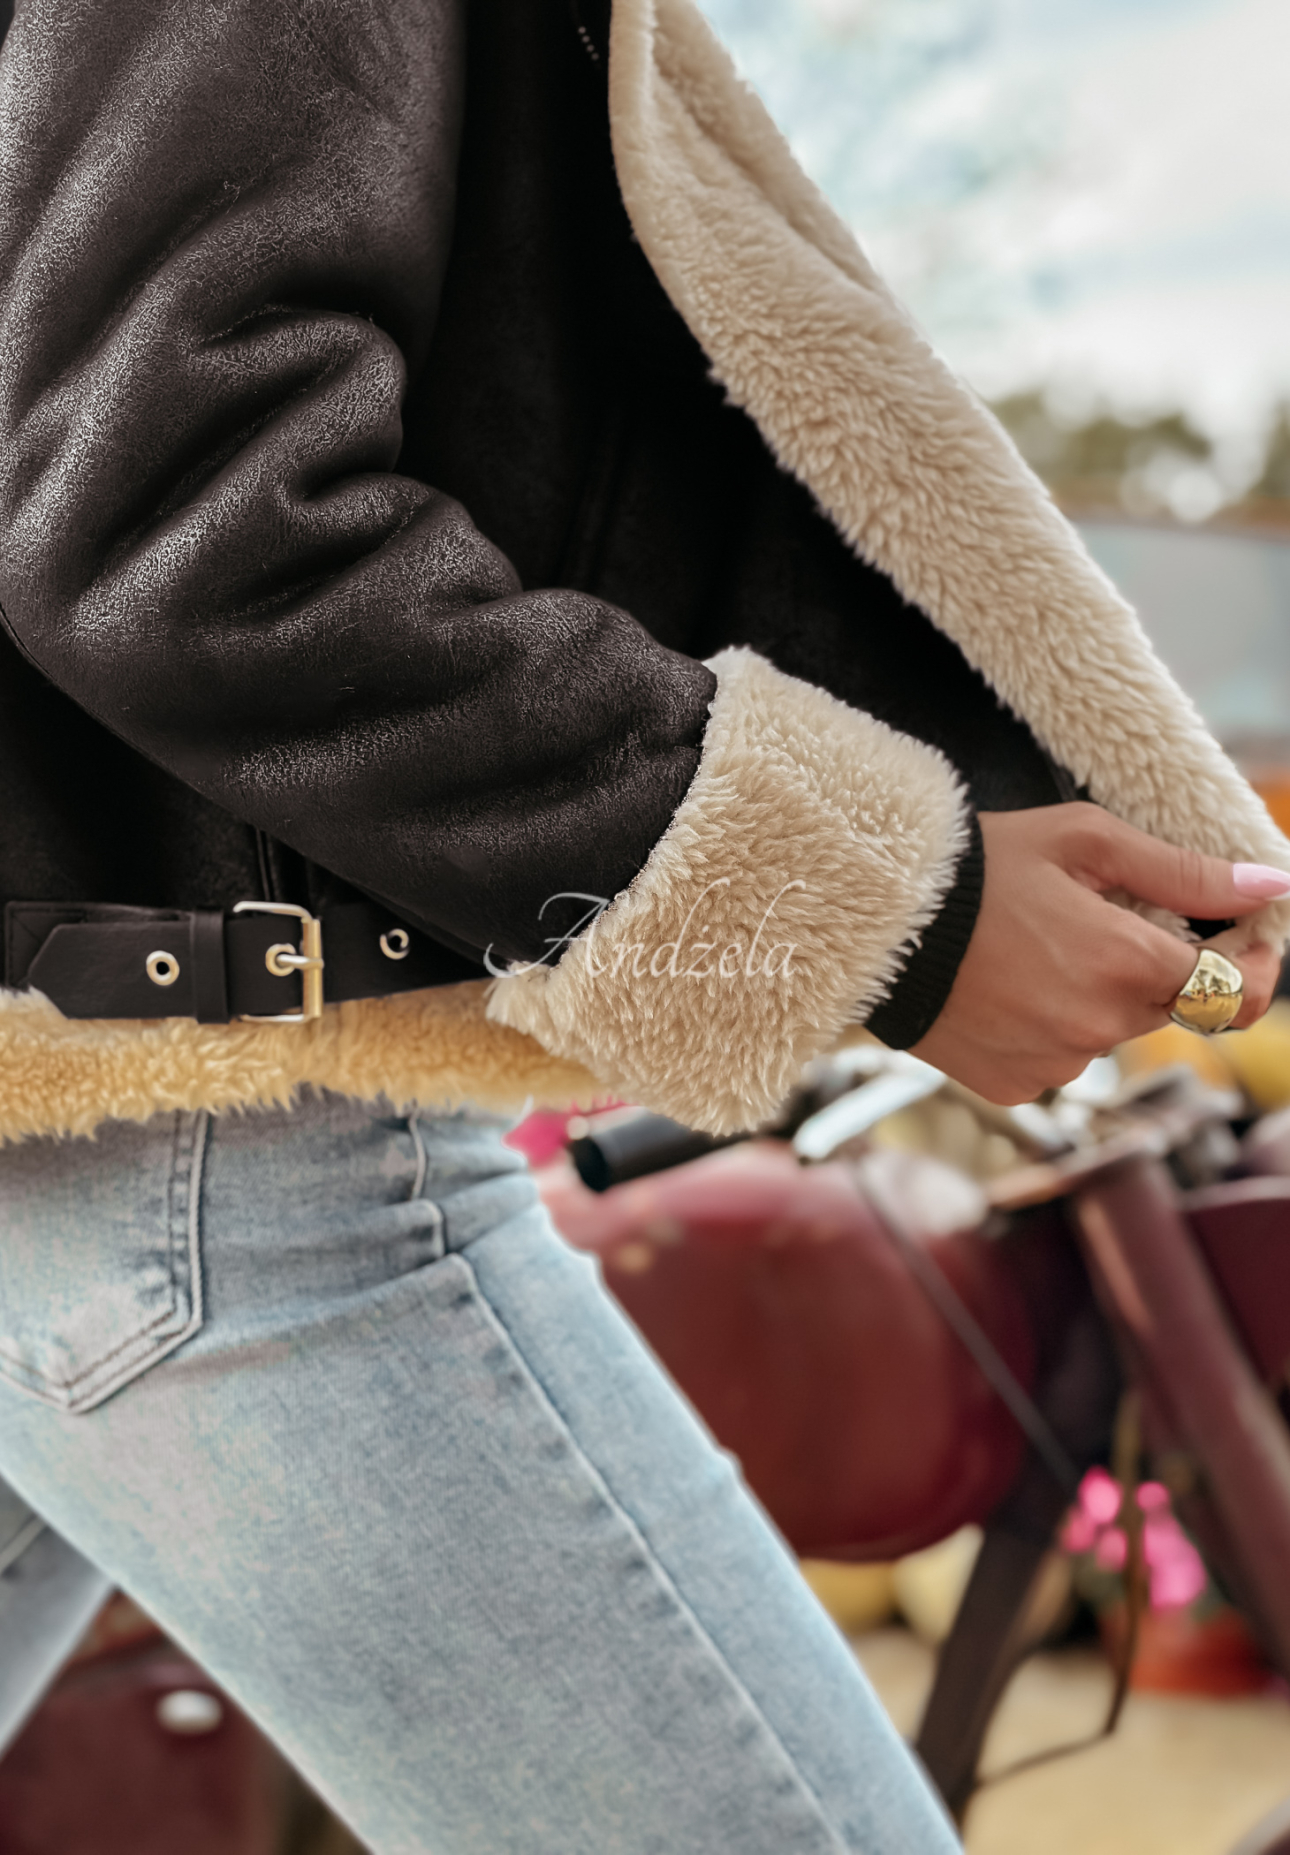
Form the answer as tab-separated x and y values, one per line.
1099	1496
1176	1571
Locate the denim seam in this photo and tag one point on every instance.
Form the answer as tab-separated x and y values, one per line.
62	1392
417	1188
96	1365
637	1532
185	1253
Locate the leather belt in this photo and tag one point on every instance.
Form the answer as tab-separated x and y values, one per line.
259	961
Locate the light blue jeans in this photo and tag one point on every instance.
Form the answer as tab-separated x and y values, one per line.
325	1392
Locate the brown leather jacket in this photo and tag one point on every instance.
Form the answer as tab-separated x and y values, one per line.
368	512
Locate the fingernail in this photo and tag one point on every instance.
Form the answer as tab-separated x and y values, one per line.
1260	882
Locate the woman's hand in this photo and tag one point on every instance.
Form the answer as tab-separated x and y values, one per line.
1055	974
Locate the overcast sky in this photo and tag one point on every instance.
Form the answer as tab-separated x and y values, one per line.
1091	194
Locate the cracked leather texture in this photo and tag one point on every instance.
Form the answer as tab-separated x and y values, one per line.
287	288
223	231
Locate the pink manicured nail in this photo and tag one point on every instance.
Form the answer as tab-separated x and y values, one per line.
1259	882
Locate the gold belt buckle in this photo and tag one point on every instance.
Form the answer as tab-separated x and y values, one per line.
282	960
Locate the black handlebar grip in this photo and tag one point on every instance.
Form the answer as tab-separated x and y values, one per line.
631	1149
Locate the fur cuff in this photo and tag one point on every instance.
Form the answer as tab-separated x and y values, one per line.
912	469
812	845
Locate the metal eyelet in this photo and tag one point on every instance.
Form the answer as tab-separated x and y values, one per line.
162	967
397	944
282	959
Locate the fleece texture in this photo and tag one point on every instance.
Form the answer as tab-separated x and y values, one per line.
792	785
911	467
431	1048
813	842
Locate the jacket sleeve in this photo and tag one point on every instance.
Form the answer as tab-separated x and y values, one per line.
223	228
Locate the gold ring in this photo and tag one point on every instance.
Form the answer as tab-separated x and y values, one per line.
1212	997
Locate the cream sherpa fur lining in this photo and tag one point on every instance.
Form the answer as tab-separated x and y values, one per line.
793	787
812	843
919	478
914	471
59	1076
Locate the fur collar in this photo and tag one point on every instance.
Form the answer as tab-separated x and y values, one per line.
912	468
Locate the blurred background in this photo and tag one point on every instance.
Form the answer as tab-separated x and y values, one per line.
1087	209
1086	205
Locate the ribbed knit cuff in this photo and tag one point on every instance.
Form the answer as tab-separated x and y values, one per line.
918	996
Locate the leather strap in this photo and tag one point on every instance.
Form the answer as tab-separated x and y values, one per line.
100	961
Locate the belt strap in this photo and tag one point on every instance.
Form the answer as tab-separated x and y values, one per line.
256	961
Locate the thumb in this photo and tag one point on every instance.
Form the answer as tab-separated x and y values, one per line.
1183	881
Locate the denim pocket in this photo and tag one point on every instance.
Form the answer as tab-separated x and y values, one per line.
100	1270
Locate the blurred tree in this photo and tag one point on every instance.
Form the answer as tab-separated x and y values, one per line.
1274	484
950	156
1154	466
